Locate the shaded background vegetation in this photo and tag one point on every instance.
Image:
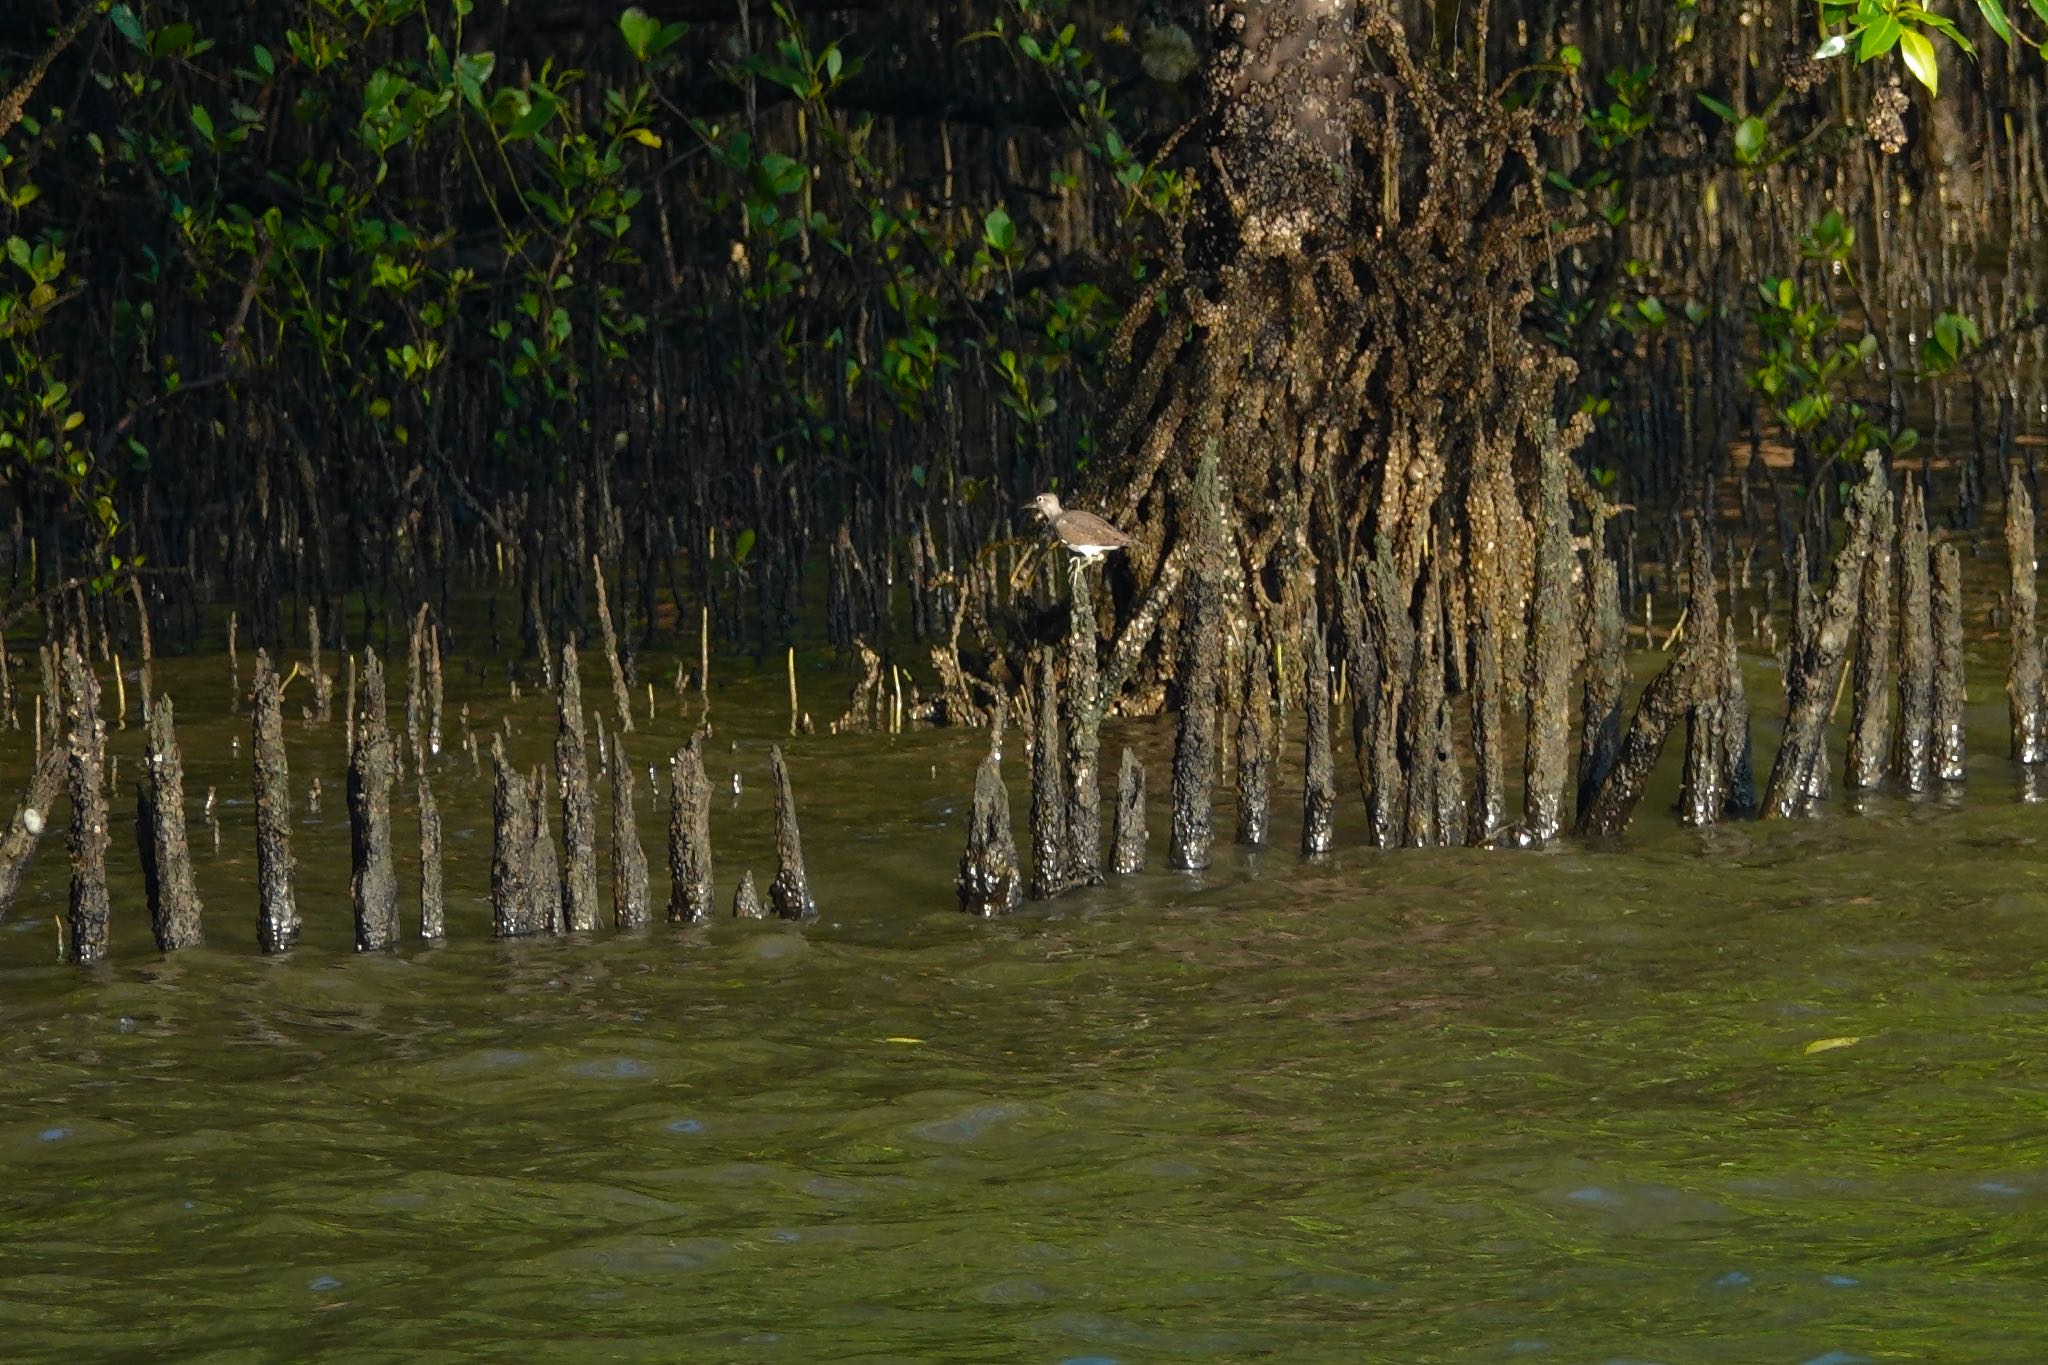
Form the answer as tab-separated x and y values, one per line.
354	303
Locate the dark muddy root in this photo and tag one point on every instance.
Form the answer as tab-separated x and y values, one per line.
1606	677
2025	698
1913	754
1869	752
689	835
630	903
1550	656
1201	680
1255	752
1393	636
621	698
1049	844
31	818
1950	693
1364	676
1128	836
160	830
864	704
515	908
1489	789
1081	719
991	880
1710	731
746	901
416	688
1819	652
790	892
1738	766
277	915
435	692
86	917
1434	798
1690	682
373	881
433	901
579	802
1319	773
544	871
147	645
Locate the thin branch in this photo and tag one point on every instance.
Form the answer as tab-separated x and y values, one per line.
16	103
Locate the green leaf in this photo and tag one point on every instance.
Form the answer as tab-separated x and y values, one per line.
129	27
1571	57
203	121
782	175
536	116
1940	24
2040	8
472	70
640	30
381	91
1994	15
743	545
1715	106
1919	55
170	40
998	230
1750	136
1878	38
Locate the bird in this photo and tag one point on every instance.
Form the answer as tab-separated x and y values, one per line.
1088	536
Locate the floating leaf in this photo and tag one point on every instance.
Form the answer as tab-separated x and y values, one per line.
1830	1044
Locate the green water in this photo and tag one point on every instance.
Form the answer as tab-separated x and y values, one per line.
1404	1107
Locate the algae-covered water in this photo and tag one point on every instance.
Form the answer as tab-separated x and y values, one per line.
1757	1093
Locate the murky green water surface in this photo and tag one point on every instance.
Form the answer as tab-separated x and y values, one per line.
1419	1106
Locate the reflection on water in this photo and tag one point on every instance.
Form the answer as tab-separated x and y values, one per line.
1419	1106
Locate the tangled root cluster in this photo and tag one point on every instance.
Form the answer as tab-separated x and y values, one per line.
1343	326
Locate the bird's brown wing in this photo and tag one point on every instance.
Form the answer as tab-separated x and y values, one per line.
1085	528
